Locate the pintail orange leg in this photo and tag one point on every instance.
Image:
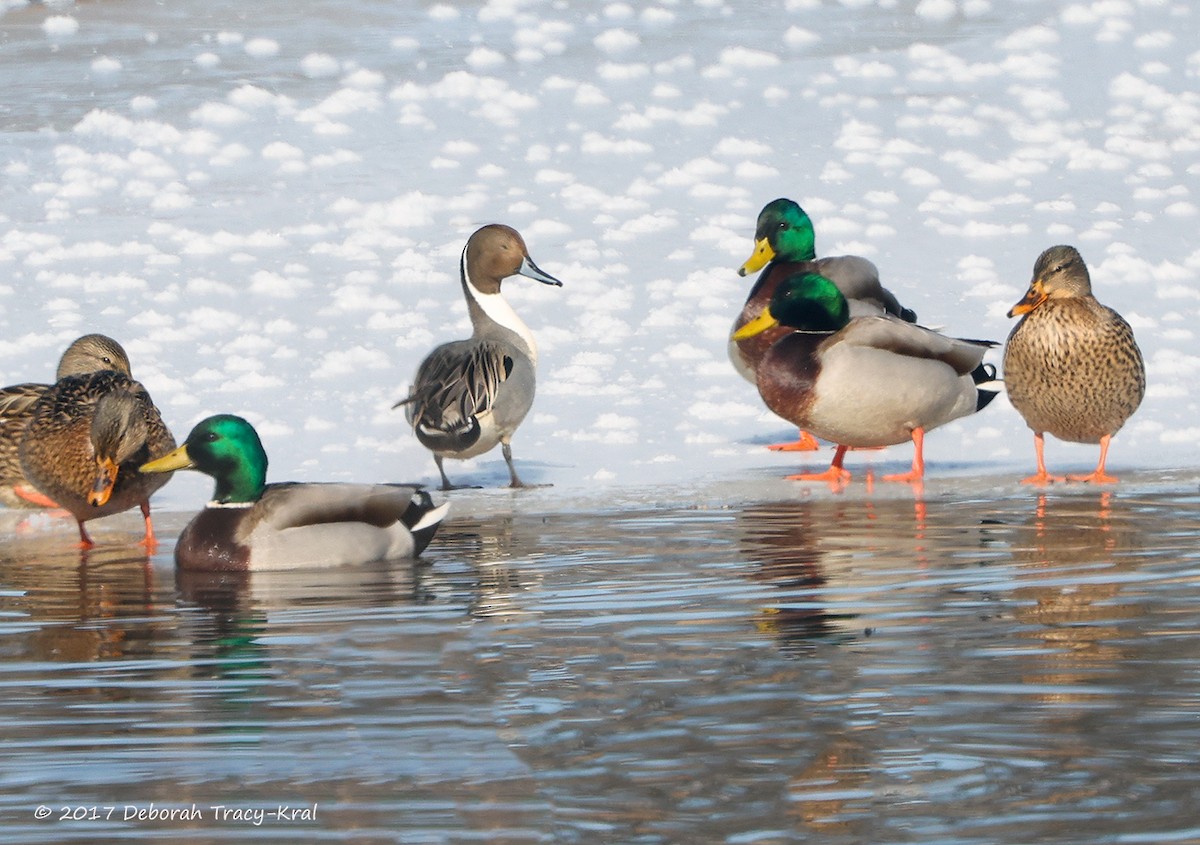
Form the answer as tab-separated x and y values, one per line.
917	473
1041	477
34	497
804	442
1098	475
835	475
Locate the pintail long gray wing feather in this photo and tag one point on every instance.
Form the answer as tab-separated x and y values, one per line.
458	382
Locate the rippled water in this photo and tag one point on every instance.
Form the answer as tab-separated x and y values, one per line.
863	668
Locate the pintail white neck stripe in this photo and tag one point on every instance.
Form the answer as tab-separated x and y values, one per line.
498	310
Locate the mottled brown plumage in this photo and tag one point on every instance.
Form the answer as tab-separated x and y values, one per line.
1071	365
85	440
87	354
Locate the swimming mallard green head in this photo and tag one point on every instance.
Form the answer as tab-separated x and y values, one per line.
226	448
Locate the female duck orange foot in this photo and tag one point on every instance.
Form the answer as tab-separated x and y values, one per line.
1041	477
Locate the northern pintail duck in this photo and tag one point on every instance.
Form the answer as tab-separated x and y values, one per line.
86	437
1071	365
88	354
863	382
785	244
469	395
252	525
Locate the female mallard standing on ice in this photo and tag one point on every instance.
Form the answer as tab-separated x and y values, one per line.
471	394
1071	366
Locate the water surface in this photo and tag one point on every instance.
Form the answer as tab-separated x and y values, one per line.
974	664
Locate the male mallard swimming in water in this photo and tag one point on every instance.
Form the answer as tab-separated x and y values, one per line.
1071	365
88	354
863	382
250	524
471	394
784	243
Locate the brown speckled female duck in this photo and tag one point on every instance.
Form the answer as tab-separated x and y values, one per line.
86	438
1071	366
88	354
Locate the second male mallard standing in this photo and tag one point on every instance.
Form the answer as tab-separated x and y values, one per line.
471	394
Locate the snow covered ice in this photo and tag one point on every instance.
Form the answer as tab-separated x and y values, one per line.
265	205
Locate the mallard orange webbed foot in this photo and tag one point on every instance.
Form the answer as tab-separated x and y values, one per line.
1041	477
917	474
35	497
1098	475
835	475
804	442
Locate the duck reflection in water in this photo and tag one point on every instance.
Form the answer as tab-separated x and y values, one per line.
96	605
824	553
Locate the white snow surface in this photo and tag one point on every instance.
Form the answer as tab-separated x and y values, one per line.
265	204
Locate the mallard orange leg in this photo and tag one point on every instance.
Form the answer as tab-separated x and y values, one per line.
149	541
917	473
804	442
85	542
1098	475
834	475
1041	476
34	497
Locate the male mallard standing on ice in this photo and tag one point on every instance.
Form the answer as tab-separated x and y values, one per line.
784	242
471	394
251	525
863	382
88	354
1071	366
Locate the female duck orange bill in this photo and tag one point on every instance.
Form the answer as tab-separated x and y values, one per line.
251	525
863	382
471	394
1071	365
784	243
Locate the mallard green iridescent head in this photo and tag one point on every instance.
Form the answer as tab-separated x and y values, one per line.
228	449
804	301
783	231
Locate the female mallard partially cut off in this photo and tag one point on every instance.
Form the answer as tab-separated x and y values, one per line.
1071	365
88	354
